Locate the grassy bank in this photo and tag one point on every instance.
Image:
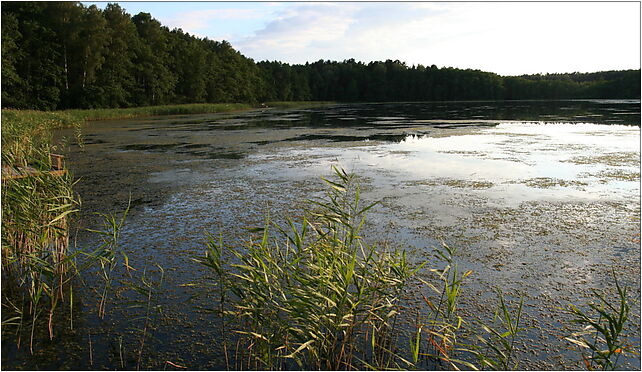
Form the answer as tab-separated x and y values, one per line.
295	104
30	122
29	128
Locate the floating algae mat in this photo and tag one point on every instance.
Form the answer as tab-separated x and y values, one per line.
540	198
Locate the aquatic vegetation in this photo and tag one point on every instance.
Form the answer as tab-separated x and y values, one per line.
496	349
617	175
38	268
547	182
35	260
16	122
613	159
148	289
538	224
316	295
107	254
294	104
603	329
441	323
454	183
36	263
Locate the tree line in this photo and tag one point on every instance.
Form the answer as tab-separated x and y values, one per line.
58	55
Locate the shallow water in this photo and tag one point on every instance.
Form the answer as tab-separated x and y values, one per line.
541	198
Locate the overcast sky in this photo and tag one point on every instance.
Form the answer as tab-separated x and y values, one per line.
506	38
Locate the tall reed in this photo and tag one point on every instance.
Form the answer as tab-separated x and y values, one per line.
497	343
314	295
603	329
435	342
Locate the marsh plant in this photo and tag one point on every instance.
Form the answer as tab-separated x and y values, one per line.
35	260
313	295
35	217
434	344
496	344
109	254
145	302
601	338
39	269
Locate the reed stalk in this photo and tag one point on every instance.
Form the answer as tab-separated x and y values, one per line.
603	328
305	295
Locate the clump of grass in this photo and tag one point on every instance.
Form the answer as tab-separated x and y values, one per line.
35	219
497	348
435	340
35	260
132	112
147	288
314	295
27	137
293	104
602	330
38	268
435	343
35	209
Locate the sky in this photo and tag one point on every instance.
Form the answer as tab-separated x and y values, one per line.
505	38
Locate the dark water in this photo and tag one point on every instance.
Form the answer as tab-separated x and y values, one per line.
542	199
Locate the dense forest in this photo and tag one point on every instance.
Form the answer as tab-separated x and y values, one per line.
58	55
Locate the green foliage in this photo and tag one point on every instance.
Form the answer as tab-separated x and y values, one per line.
602	331
315	296
440	326
38	268
35	261
58	55
498	345
108	253
11	54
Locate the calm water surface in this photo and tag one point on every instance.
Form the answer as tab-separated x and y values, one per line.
541	198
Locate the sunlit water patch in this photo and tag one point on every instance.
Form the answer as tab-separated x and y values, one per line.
516	162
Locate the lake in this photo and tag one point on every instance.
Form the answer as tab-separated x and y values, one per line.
541	199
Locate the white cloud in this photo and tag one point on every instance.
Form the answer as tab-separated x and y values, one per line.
296	29
508	38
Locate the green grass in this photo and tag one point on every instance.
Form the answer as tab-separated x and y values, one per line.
133	112
291	104
17	123
313	295
497	344
603	329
